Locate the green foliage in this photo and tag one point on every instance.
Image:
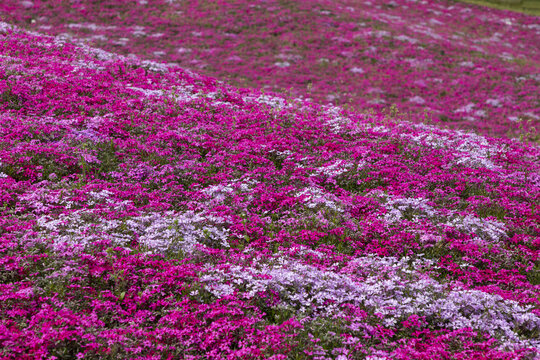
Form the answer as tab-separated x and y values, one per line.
276	159
11	100
533	276
356	181
527	132
530	7
493	210
317	334
108	156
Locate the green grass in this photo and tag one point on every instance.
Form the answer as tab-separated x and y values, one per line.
530	7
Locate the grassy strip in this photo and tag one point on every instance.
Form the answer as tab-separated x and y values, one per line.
529	7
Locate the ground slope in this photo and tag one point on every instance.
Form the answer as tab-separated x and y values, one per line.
148	212
464	66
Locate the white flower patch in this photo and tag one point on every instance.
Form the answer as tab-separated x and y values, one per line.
183	50
282	154
466	64
390	18
341	39
426	30
381	129
377	101
221	191
86	64
532	115
100	54
390	288
357	70
336	121
419	63
148	92
180	231
406	38
121	41
274	102
331	97
158	232
480	113
221	290
506	56
292	57
155	66
494	102
248	184
417	100
41	200
465	108
471	149
418	208
475	155
138	31
81	227
334	169
9	59
234	58
93	27
103	196
375	90
178	93
435	22
314	196
26	4
282	64
2	175
381	33
218	193
489	230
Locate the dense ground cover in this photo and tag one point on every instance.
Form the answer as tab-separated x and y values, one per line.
152	213
469	67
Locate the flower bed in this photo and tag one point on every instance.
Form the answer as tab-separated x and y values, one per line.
463	66
152	213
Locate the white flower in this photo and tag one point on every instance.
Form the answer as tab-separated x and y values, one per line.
465	109
357	70
282	64
417	100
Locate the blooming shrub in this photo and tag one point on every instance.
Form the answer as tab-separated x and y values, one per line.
148	212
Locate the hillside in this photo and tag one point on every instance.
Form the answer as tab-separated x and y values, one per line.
461	66
153	213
